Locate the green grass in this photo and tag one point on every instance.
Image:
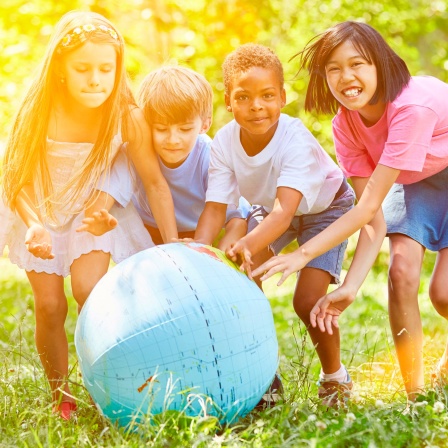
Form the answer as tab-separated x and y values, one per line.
373	419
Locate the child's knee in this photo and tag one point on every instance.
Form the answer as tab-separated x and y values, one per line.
51	310
80	293
303	305
438	294
404	275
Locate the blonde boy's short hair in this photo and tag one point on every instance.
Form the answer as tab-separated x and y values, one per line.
175	94
246	57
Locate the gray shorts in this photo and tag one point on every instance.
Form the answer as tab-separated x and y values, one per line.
305	227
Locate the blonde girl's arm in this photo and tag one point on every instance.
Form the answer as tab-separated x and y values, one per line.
97	219
156	187
326	312
375	191
37	238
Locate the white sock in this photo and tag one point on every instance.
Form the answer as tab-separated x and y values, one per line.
340	375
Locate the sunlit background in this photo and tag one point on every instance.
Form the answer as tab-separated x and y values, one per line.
200	33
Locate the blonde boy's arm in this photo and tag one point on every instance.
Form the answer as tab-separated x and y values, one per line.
210	222
145	161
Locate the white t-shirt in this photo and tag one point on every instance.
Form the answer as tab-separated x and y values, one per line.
293	158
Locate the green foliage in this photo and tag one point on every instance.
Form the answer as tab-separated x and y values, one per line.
373	418
201	33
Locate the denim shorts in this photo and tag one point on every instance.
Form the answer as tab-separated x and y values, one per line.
305	227
420	211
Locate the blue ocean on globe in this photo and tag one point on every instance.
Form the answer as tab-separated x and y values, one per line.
176	327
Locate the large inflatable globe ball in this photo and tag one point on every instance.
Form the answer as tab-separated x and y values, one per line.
176	327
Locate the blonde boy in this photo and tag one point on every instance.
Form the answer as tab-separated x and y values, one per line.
177	103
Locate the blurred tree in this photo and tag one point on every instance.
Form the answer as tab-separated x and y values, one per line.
200	33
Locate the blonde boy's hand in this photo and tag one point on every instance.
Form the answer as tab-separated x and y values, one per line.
325	313
242	256
38	242
98	223
286	264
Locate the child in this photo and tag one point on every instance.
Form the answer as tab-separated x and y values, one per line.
391	137
274	161
64	138
177	103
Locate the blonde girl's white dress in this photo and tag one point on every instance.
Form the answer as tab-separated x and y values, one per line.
129	237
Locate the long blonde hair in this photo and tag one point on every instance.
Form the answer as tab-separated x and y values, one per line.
25	159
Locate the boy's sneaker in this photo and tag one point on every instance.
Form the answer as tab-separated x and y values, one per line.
335	394
272	396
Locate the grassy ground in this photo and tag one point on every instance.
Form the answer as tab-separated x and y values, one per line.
373	419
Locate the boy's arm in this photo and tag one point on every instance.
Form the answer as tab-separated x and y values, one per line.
210	222
325	313
274	225
235	229
376	189
145	161
37	238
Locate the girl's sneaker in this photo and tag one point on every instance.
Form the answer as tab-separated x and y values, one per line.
335	394
65	410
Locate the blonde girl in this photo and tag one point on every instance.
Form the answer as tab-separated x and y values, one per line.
73	120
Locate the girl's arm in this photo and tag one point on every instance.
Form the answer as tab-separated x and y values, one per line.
145	161
97	219
370	202
37	238
274	225
325	313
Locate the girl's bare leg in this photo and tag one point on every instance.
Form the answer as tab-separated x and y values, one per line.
86	271
438	292
406	257
51	340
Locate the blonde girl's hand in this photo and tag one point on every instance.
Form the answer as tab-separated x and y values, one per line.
98	223
38	242
325	313
241	255
286	264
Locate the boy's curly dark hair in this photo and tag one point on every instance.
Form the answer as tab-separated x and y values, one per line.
247	56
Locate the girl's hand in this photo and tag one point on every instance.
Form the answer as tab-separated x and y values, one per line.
38	242
326	312
98	223
286	264
241	255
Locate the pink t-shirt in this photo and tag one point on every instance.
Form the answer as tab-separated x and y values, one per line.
412	134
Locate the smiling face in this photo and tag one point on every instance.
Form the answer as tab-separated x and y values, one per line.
89	74
174	142
353	81
256	98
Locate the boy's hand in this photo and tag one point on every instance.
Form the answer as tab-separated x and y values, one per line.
286	264
98	223
38	242
326	311
242	256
